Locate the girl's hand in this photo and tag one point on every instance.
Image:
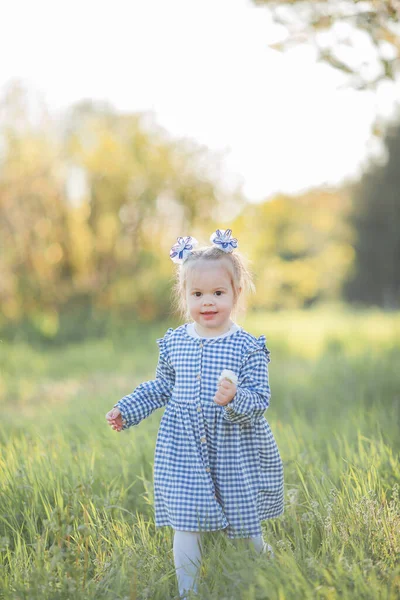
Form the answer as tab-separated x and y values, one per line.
226	392
114	419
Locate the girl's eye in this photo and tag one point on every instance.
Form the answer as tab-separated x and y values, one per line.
198	294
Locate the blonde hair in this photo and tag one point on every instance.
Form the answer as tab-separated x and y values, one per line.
237	267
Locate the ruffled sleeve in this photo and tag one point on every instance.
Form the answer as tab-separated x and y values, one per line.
253	391
150	395
259	344
162	345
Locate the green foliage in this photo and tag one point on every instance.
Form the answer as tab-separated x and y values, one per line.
76	499
375	273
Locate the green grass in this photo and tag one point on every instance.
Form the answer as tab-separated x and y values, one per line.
76	498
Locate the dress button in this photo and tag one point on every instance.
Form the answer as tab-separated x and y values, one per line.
199	408
203	439
198	376
207	469
201	344
215	496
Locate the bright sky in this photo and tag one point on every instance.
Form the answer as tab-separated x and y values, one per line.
205	69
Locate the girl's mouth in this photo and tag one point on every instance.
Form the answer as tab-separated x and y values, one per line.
208	314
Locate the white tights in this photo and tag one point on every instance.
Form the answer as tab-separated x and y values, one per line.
187	557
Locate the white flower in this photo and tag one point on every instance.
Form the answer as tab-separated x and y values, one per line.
229	375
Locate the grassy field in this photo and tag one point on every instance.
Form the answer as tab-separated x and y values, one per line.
76	500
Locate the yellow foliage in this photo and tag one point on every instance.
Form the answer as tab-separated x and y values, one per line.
112	250
300	248
106	232
53	253
11	308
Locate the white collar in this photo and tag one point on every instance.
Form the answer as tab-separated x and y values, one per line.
192	332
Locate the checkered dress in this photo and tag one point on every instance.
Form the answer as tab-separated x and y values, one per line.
215	467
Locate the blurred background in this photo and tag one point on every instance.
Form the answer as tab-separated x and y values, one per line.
124	125
122	129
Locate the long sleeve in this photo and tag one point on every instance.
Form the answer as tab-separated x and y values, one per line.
149	395
253	392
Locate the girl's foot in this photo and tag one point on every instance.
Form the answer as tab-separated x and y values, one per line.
268	551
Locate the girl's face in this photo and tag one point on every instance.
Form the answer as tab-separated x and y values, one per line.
210	297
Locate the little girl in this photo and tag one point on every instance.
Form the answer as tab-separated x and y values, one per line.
216	465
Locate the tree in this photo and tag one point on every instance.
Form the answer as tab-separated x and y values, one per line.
375	277
300	248
144	189
32	212
69	252
340	31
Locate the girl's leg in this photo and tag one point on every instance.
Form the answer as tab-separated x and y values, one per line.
261	546
258	543
187	556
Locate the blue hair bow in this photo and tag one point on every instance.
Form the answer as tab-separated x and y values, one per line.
223	240
183	247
